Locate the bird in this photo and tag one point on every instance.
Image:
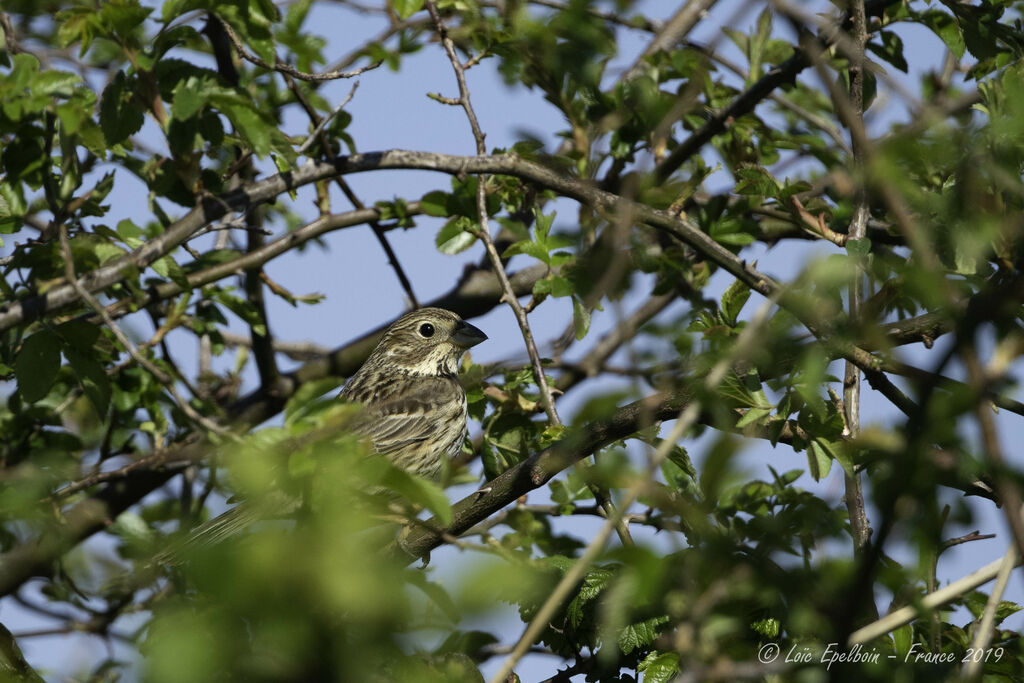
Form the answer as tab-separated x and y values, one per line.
413	412
413	405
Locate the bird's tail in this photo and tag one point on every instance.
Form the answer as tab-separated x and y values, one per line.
231	523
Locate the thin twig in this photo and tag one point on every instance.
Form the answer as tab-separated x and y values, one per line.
484	233
327	150
325	120
672	32
850	47
960	540
639	22
301	351
288	69
483	230
819	122
147	463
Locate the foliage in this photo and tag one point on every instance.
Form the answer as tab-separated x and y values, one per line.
892	249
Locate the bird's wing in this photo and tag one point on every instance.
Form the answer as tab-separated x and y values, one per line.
409	415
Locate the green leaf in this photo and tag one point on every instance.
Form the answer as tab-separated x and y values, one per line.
419	491
12	207
129	231
300	402
79	334
891	49
133	531
120	115
555	285
733	299
757	43
903	638
859	247
435	204
530	248
249	125
91	375
468	642
753	416
819	461
37	364
593	584
946	28
754	180
659	668
641	634
55	83
453	237
435	592
406	8
542	228
580	318
190	95
769	628
1005	609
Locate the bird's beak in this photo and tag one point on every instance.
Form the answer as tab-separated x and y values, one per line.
467	335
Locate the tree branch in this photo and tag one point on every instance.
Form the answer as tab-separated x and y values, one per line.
287	68
860	528
905	615
746	102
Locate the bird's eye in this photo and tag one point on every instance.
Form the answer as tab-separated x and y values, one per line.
426	330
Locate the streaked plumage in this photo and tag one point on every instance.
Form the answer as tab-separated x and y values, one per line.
414	406
414	411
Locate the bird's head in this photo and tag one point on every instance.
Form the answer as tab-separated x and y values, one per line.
428	341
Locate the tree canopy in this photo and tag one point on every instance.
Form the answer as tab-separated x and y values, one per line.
774	215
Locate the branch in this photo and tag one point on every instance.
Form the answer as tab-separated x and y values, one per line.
507	164
484	233
594	360
37	557
907	614
319	124
300	351
254	258
286	68
540	467
860	528
672	32
209	210
983	633
746	102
